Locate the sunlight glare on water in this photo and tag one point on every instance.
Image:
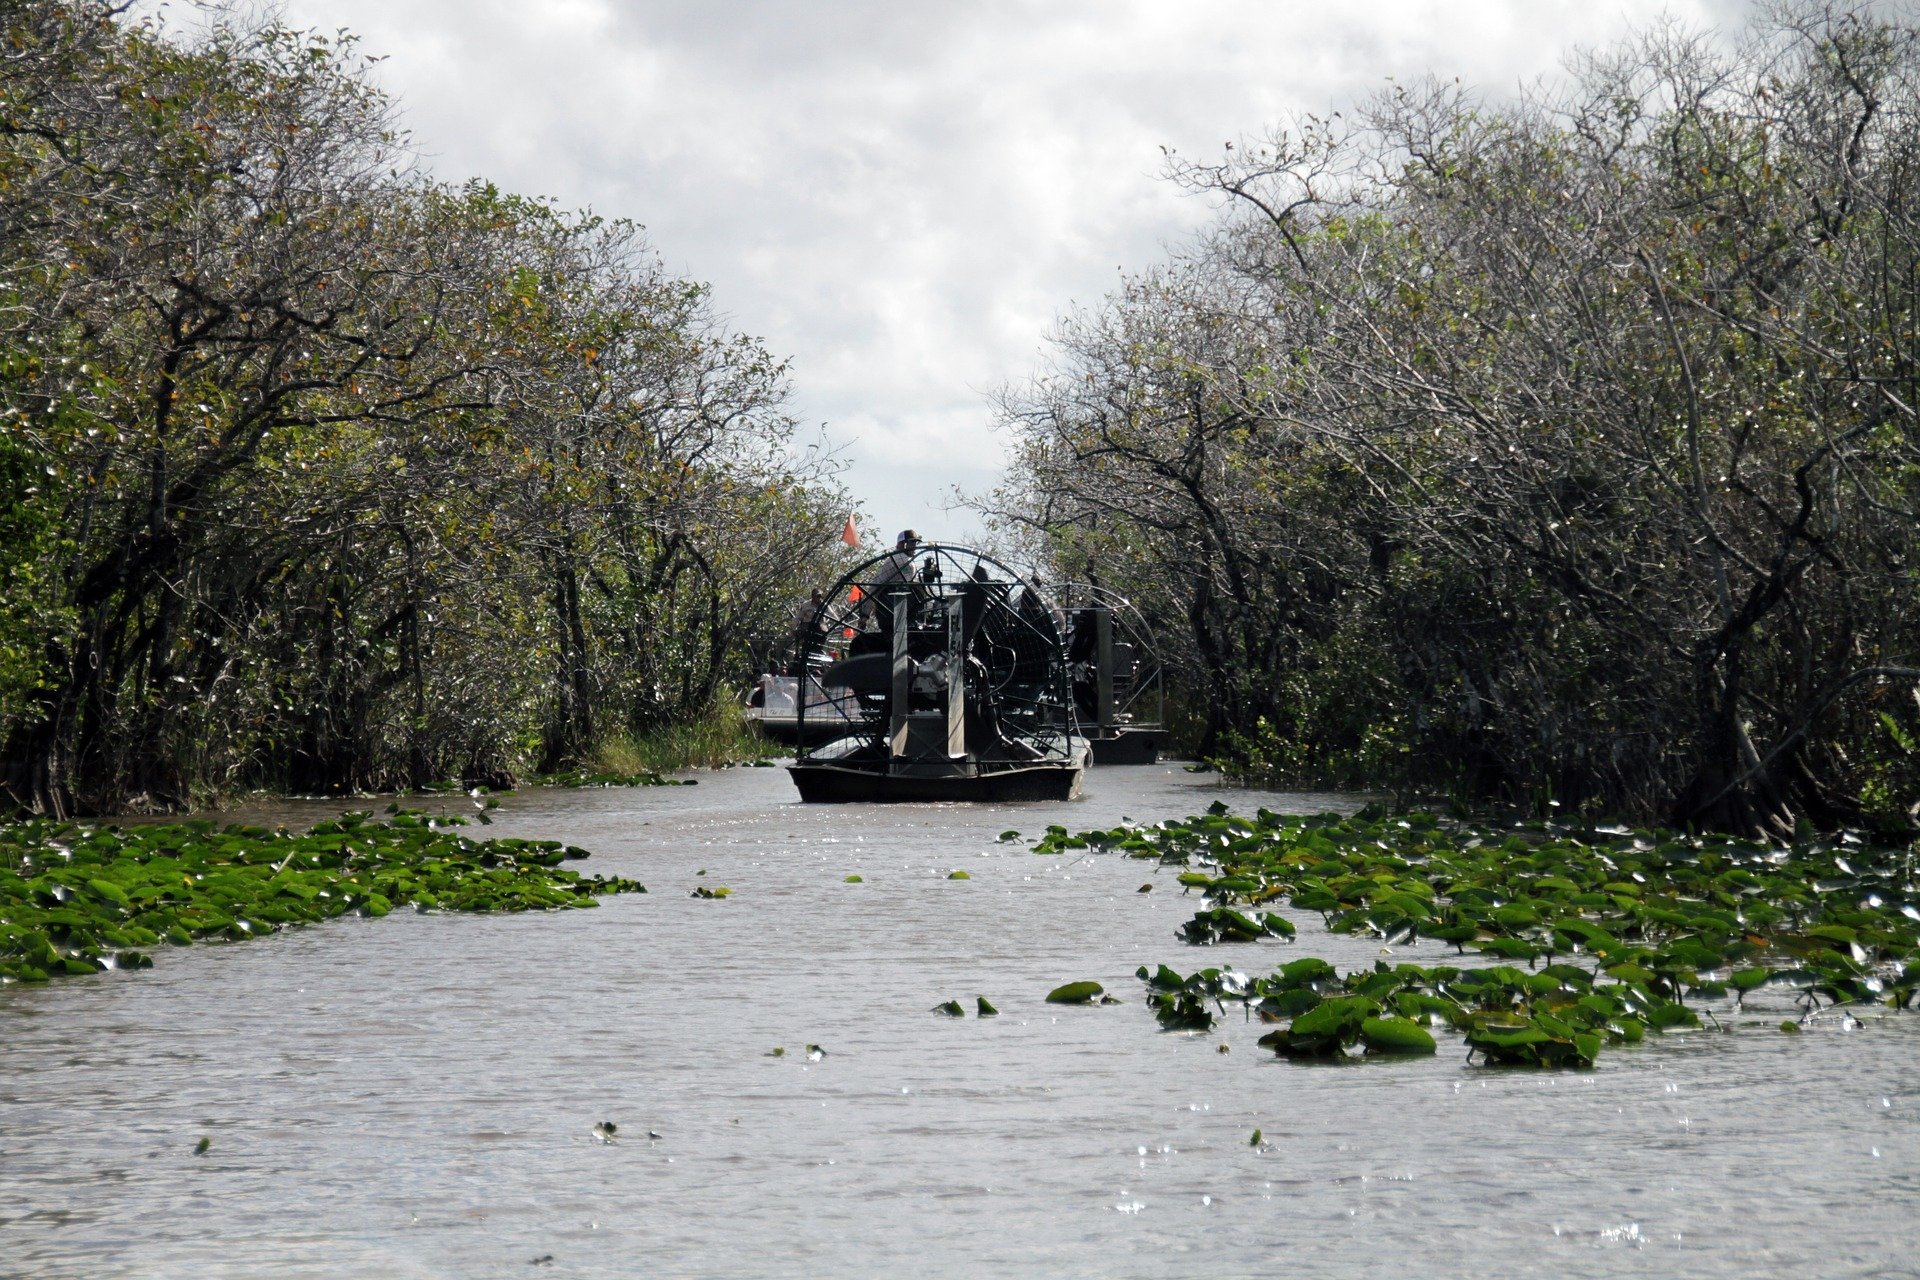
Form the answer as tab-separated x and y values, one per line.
417	1096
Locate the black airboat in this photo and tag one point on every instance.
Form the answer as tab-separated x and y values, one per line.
1115	670
941	675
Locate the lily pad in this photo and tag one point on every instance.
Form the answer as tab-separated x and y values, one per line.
1396	1035
82	899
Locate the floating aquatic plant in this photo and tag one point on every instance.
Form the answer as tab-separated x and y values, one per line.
1617	929
77	899
1224	924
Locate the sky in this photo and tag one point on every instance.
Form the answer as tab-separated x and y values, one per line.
903	197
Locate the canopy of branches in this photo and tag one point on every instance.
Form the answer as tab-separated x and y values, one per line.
317	474
1563	448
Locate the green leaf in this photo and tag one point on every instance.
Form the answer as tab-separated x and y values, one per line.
1395	1035
1339	1016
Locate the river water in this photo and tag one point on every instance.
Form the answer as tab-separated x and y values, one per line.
416	1096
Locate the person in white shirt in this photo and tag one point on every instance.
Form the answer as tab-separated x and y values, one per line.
895	569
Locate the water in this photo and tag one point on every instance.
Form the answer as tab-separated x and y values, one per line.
416	1096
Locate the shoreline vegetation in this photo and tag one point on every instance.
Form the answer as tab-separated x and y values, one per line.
1569	939
79	899
720	739
1554	446
321	476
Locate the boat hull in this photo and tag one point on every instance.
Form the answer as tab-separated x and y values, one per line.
1129	746
837	784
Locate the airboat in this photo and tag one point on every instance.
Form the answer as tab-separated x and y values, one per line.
1118	700
943	676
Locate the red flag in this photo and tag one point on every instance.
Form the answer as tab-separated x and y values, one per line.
851	534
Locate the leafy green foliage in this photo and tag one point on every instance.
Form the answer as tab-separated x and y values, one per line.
1224	924
78	899
319	476
1619	929
30	546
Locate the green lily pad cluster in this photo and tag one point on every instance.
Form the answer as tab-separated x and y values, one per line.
1224	924
77	899
1618	929
1561	1015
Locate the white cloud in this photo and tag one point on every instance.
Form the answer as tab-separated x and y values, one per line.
902	197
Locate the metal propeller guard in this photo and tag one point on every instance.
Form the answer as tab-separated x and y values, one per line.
946	678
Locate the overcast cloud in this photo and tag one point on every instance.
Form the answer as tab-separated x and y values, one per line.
901	197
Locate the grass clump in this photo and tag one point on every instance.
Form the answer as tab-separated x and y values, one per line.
719	738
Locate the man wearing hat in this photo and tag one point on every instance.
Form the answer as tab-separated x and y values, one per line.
893	571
